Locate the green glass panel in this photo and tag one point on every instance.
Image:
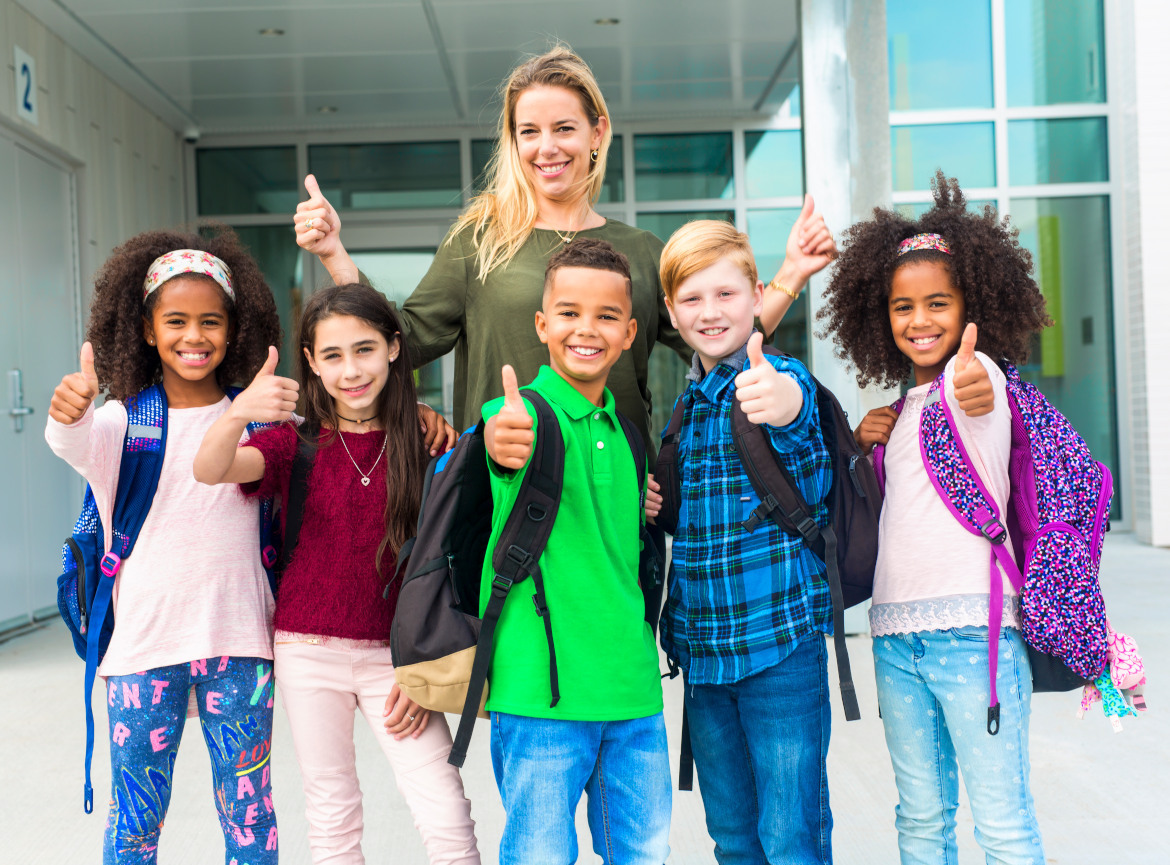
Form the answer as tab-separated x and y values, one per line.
1072	362
388	176
963	150
681	167
238	180
1071	150
1055	51
939	54
915	210
613	188
666	372
774	163
768	231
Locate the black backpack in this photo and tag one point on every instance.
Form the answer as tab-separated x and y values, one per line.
854	504
440	645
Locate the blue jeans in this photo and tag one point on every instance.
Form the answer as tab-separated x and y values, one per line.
933	690
147	714
760	746
542	766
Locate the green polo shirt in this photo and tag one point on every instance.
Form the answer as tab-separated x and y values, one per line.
607	662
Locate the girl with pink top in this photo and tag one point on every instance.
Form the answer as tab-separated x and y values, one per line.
192	604
914	300
337	597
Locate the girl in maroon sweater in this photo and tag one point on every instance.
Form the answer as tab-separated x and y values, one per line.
332	613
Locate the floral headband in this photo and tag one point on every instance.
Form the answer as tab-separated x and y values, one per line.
922	242
182	261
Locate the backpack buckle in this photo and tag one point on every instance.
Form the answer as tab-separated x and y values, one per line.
809	530
110	564
994	531
521	558
502	583
268	556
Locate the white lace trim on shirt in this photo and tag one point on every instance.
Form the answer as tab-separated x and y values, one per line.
939	614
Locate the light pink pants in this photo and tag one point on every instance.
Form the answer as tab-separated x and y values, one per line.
321	681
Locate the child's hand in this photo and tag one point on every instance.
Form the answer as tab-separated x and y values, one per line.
875	428
766	395
269	398
810	243
404	717
653	498
318	226
509	436
973	391
76	391
438	435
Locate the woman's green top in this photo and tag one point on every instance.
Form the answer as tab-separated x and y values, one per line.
492	322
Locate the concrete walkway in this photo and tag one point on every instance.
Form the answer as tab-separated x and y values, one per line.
1101	797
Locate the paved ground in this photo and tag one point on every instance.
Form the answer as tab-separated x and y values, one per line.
1101	797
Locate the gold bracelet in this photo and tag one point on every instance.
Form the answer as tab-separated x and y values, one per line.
775	283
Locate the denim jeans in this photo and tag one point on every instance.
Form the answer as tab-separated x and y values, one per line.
760	746
542	766
933	690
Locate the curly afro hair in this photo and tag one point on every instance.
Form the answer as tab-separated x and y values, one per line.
124	362
987	265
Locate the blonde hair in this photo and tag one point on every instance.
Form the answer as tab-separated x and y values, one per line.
698	245
503	215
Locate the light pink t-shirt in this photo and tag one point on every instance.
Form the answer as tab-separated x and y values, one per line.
194	586
933	574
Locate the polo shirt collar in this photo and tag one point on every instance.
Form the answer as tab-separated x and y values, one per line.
568	398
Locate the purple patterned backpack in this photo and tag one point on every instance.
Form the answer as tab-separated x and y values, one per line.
1056	517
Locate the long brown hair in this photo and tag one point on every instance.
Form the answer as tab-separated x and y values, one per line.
406	458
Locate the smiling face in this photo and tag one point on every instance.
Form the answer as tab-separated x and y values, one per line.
586	322
553	141
927	316
190	326
714	310
352	359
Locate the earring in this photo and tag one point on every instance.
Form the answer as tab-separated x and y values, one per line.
151	341
593	155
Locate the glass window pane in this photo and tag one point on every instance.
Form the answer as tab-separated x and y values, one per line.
663	225
1055	51
962	150
940	54
681	167
774	163
1073	150
1073	360
915	210
388	176
247	180
613	188
768	231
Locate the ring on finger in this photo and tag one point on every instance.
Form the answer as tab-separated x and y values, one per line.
410	717
308	223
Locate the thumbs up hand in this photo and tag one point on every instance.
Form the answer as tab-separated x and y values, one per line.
764	394
76	391
810	244
269	398
509	436
973	391
318	228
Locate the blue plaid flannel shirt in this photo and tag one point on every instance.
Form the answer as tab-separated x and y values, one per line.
738	602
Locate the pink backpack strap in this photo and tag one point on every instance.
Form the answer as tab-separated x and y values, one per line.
879	451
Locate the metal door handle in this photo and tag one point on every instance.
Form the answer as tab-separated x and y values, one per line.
17	409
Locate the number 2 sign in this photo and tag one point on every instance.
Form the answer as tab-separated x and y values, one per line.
26	86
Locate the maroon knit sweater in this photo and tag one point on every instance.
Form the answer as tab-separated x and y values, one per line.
331	586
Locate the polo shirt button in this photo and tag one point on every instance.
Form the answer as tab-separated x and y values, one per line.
597	416
601	445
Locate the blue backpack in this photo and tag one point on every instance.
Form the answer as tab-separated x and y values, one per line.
87	571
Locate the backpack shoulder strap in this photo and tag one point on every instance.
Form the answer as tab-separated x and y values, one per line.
666	470
143	449
879	451
516	557
298	490
638	449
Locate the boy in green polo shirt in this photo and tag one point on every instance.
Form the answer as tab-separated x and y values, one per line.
605	735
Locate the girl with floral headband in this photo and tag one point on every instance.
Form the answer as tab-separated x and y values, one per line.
192	604
914	300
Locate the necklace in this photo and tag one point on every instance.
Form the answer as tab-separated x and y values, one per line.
567	238
365	475
362	420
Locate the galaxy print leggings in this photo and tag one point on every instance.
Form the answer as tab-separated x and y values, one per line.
147	714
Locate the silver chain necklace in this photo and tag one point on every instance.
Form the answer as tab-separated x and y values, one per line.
365	475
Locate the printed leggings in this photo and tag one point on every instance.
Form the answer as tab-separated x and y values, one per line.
147	714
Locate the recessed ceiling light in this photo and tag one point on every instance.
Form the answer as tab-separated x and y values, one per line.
327	109
607	22
271	31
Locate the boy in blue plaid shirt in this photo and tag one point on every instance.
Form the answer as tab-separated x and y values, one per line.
746	612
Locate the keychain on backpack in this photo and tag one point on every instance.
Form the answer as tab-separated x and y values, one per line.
1121	688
